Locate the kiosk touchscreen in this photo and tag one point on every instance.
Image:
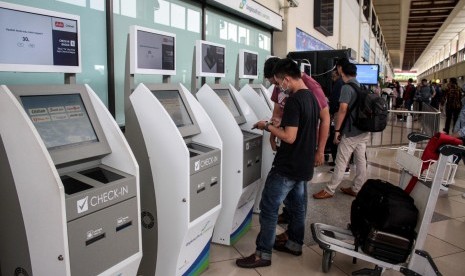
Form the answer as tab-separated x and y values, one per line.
70	183
179	154
70	201
242	158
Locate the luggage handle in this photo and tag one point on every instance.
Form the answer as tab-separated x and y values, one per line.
418	137
449	150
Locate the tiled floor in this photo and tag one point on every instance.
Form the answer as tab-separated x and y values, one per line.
445	242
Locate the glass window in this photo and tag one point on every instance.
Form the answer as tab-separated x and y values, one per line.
223	29
232	32
162	14
128	8
193	21
243	36
97	5
178	16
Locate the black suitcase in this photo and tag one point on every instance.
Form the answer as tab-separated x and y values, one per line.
387	247
385	207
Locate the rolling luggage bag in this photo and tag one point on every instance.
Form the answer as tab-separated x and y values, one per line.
387	247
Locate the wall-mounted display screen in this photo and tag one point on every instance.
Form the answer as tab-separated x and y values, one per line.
152	52
61	120
210	59
174	105
367	73
248	64
36	40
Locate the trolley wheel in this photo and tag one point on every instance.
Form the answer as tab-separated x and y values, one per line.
327	260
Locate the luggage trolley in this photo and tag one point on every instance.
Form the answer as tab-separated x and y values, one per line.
425	194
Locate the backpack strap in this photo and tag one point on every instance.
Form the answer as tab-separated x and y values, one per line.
351	108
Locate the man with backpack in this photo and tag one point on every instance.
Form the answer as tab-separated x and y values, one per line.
350	138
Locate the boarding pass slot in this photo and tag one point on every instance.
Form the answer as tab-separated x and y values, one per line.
95	239
123	226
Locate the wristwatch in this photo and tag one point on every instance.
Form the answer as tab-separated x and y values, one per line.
267	125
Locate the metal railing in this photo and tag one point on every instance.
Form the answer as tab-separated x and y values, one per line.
402	122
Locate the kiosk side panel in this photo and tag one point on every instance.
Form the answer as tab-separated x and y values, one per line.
13	250
37	183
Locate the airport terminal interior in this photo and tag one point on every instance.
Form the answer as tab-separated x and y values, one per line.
129	144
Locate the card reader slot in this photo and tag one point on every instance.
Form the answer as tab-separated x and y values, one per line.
95	239
249	163
213	183
123	226
201	190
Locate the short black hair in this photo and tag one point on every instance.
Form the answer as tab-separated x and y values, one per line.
349	69
422	80
342	61
286	66
410	80
453	80
269	66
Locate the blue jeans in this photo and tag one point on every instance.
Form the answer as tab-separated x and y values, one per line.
277	187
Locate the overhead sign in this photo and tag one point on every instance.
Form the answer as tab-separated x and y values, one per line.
252	11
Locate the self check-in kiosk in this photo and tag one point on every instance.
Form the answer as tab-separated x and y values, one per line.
70	197
258	102
179	153
242	149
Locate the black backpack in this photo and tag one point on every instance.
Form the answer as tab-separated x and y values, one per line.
372	112
379	205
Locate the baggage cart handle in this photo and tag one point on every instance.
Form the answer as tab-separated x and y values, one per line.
449	150
418	137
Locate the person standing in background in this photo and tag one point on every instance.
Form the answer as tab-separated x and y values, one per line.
349	137
424	94
437	98
453	102
409	94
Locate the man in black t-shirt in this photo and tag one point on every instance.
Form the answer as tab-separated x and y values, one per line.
292	167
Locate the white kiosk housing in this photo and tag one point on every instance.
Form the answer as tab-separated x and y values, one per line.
70	183
242	158
179	152
256	97
70	201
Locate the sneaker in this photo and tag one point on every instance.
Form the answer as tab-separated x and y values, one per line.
347	172
348	191
252	262
322	195
282	248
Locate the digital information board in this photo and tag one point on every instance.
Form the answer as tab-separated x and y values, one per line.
32	39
